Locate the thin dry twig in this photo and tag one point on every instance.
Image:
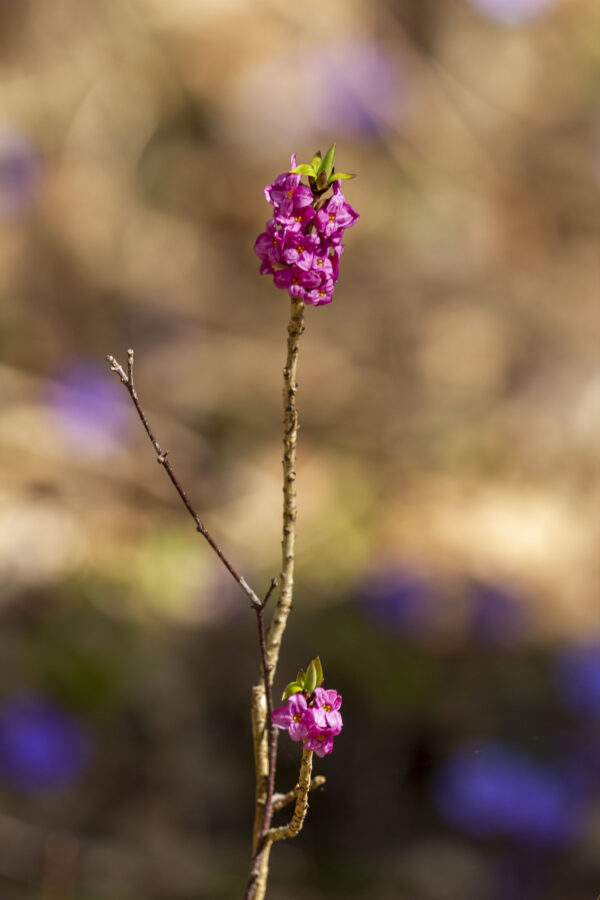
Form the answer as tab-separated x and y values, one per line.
127	379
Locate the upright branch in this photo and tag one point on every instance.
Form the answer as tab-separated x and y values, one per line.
290	433
127	379
269	727
264	736
301	249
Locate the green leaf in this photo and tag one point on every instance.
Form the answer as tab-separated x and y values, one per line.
310	681
319	670
335	175
304	169
327	164
301	677
292	688
316	161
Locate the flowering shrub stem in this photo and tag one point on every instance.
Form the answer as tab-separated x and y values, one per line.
265	735
301	248
290	431
266	799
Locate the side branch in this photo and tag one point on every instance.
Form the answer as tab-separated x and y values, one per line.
280	801
127	379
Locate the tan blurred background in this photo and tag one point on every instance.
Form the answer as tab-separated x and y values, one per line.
449	452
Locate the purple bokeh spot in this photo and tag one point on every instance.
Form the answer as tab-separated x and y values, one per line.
496	616
360	88
513	12
86	403
41	746
335	87
494	792
578	678
19	172
397	599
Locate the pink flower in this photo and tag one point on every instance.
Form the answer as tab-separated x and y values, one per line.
313	718
287	195
326	709
326	264
322	292
320	741
296	280
299	249
266	268
298	220
294	716
336	215
268	244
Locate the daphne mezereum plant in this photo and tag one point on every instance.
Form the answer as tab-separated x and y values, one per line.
301	248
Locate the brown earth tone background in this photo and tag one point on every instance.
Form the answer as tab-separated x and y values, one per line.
449	459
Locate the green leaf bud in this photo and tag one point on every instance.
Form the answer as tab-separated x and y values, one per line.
304	169
310	681
292	688
319	670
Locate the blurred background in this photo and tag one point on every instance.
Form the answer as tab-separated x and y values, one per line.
449	461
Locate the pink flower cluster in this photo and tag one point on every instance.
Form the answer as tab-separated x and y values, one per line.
315	721
302	244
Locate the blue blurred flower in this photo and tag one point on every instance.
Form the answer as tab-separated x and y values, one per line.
578	677
494	792
397	599
496	616
513	12
87	406
40	745
19	172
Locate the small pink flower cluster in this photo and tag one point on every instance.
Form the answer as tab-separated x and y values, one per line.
302	244
315	720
